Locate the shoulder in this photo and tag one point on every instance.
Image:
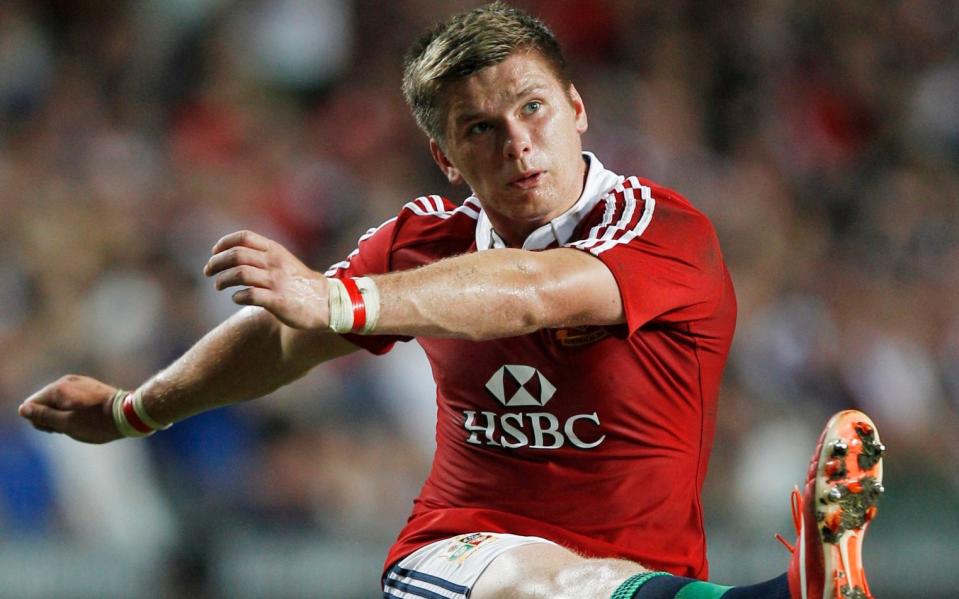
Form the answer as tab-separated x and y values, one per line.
427	209
433	216
427	216
638	210
426	229
674	208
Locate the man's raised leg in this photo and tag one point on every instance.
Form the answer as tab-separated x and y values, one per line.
843	485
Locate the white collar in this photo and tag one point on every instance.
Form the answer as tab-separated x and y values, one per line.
598	183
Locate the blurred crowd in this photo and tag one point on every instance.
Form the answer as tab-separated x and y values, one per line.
821	138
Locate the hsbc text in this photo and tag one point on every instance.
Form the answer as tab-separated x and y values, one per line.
536	430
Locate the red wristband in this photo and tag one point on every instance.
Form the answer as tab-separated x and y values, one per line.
132	417
359	306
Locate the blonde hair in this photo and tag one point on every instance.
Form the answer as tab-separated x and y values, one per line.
465	44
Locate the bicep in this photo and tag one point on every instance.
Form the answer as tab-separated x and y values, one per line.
578	289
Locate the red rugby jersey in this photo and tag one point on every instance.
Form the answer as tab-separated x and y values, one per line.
594	437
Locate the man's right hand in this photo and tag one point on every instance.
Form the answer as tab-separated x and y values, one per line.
272	278
78	406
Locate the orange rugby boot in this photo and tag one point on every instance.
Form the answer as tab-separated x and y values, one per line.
843	485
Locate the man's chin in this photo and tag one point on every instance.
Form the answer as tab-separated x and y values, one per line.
532	219
530	206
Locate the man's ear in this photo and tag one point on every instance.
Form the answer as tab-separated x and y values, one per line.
579	108
451	172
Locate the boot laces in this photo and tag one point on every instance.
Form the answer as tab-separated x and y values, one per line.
796	501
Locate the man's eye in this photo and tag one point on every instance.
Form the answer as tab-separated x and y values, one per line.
479	128
532	107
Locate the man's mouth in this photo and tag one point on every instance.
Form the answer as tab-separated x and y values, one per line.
527	179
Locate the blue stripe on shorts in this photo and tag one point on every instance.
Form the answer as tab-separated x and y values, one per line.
423	577
414	590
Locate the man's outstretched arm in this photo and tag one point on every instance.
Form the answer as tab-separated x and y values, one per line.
483	295
247	356
250	355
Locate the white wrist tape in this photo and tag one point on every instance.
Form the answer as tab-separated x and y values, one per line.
142	413
119	419
343	309
127	407
371	296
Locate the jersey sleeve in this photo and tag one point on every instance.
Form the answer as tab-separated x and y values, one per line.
372	256
663	253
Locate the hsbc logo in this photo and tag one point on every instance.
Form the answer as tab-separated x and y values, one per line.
519	386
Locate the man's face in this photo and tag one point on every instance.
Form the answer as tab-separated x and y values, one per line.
513	134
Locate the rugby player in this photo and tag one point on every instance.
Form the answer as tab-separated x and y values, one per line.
577	322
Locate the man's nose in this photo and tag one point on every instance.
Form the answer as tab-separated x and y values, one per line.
517	141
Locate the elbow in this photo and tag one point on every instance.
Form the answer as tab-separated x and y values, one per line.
563	294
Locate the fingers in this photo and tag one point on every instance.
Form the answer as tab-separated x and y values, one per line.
75	405
270	277
51	395
234	256
242	238
70	392
246	276
252	296
44	418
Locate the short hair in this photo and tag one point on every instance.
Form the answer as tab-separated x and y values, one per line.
467	43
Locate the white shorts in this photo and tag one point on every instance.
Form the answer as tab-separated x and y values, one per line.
448	569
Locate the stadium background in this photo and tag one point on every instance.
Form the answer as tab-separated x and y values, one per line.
822	138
